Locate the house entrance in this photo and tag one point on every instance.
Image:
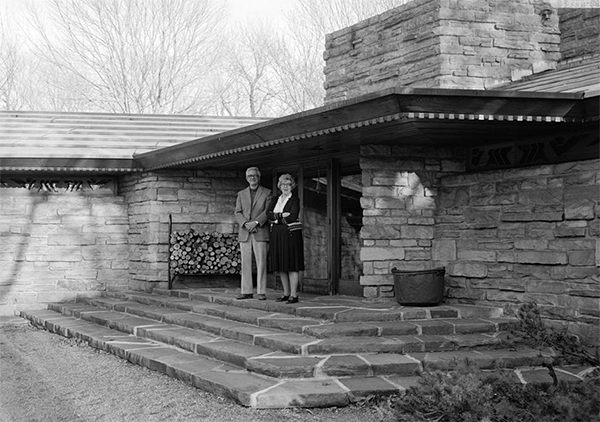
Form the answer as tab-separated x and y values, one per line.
332	218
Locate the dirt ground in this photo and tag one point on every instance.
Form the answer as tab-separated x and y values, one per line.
46	377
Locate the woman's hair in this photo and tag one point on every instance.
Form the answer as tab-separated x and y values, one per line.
286	177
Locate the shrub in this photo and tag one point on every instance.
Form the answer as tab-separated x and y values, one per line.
533	332
469	394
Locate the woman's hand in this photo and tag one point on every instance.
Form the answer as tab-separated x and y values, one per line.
285	214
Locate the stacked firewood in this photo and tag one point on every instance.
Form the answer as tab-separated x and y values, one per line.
204	253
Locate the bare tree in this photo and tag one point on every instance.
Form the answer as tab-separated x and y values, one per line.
270	72
247	84
9	69
13	69
298	70
311	20
171	56
133	56
320	17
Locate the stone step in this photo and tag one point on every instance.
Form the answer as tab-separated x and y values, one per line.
237	343
326	388
443	321
331	308
236	351
398	337
275	353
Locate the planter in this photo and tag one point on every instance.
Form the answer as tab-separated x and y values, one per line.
423	287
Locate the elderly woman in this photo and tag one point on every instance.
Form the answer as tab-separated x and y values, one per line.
286	253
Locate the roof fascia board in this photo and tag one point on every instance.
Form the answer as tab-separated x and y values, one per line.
491	93
68	165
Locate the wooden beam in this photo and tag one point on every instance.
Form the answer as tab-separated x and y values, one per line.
334	213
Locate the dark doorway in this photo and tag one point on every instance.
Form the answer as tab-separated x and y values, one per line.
332	217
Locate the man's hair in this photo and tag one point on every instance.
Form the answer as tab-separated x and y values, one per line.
253	168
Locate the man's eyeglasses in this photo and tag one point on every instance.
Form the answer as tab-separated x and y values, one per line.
252	175
286	184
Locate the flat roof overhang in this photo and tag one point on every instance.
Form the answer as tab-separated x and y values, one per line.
398	116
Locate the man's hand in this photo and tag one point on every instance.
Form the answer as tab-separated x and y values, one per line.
251	226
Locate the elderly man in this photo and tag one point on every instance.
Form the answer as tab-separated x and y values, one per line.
250	213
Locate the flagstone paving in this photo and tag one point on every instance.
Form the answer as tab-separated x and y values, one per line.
322	351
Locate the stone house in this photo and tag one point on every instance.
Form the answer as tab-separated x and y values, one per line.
461	134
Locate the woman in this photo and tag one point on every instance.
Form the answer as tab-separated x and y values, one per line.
286	250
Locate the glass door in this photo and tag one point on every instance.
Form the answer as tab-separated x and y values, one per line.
332	218
316	244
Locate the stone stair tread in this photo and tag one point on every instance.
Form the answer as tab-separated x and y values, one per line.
230	351
342	329
485	359
391	324
113	319
249	316
380	386
281	368
289	323
184	338
416	327
286	342
323	329
326	307
289	342
208	323
291	366
239	349
294	366
229	381
400	344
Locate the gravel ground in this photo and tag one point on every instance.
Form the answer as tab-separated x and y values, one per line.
46	377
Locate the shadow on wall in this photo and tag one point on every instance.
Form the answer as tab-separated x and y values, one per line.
58	244
18	214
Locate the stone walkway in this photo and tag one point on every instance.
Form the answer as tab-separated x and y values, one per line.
322	351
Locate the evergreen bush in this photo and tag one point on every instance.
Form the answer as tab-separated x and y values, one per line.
469	394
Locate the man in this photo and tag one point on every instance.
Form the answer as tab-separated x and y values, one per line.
251	215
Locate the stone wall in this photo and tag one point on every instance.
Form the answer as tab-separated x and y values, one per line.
505	237
511	236
400	191
58	244
202	200
463	44
580	33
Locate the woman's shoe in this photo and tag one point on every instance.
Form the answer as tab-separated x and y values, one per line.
282	299
293	300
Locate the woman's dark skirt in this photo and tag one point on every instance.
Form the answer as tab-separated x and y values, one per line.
286	250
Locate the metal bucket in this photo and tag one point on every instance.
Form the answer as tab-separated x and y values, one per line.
421	287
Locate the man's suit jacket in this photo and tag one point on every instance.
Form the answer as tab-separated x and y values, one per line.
257	211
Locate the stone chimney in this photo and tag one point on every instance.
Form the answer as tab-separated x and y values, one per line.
580	34
460	44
